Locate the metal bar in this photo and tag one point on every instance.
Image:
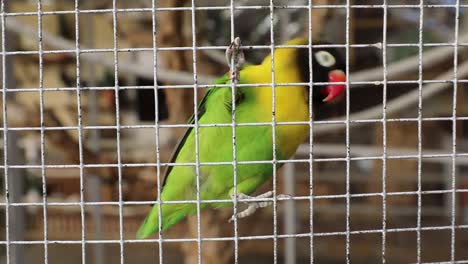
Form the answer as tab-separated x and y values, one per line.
273	132
16	190
196	129
384	130
5	139
118	130
13	178
234	77
311	133
356	84
434	158
41	109
454	133
242	238
67	50
290	215
93	183
296	198
447	170
159	182
227	8
347	128
80	131
322	122
420	105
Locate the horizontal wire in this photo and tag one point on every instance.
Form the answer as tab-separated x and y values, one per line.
246	47
252	85
218	239
227	8
253	199
446	262
218	163
322	122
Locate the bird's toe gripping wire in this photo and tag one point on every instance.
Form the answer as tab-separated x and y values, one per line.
254	205
235	58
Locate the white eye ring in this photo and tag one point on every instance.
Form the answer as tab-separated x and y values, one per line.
325	59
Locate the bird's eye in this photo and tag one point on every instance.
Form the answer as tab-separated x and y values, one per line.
325	59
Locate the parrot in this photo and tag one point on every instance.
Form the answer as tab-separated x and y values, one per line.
253	104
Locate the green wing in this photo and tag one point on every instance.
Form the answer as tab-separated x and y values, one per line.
214	107
201	110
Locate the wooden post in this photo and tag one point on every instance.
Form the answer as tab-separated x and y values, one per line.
211	225
399	134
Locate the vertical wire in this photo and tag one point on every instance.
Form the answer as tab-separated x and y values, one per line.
454	130
196	128
93	183
348	218
234	72
420	105
80	129
384	132
42	123
273	126
289	213
5	137
311	136
117	123
156	123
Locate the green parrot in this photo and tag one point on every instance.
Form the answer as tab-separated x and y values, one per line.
253	143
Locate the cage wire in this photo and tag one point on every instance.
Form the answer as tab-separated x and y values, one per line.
313	154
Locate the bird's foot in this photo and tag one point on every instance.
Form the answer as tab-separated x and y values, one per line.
235	58
254	205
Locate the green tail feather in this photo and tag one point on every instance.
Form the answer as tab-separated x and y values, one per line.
172	214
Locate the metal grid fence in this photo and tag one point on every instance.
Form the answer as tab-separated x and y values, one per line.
452	79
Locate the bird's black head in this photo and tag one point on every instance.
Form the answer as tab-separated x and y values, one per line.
327	66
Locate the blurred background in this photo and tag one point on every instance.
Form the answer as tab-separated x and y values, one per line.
44	116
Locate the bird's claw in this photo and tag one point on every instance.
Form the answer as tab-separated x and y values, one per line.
254	205
235	58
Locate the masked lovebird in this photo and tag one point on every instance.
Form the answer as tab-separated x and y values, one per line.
253	104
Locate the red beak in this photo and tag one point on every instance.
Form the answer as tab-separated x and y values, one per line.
334	90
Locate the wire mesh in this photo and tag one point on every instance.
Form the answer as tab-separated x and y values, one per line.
313	154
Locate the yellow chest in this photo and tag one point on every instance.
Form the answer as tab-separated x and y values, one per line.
291	105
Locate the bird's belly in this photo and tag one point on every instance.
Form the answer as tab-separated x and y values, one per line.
253	143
